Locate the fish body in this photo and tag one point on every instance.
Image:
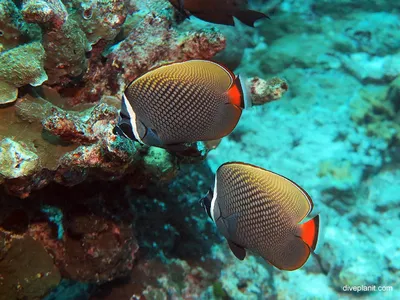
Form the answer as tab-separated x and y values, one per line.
218	11
261	211
179	103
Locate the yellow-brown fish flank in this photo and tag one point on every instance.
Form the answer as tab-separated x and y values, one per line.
269	208
185	102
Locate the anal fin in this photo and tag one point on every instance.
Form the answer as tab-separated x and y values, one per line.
237	250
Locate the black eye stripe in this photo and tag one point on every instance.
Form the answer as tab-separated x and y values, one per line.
127	130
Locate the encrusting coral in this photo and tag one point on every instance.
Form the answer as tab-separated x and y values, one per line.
11	31
26	63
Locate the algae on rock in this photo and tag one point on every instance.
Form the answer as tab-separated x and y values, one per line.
15	160
28	271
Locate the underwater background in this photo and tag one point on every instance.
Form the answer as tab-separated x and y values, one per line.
87	215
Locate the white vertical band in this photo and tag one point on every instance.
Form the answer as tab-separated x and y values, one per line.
132	117
214	199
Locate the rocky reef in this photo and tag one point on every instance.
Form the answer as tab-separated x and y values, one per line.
63	68
86	214
83	58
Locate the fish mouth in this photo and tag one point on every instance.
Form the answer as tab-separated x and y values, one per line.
201	201
205	203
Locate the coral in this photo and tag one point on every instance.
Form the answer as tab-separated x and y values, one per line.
82	144
20	66
159	162
248	280
101	154
55	216
160	279
14	31
62	38
262	91
49	14
375	111
372	33
344	7
10	34
101	19
8	92
83	199
155	43
393	95
98	243
15	160
68	46
28	271
97	250
372	68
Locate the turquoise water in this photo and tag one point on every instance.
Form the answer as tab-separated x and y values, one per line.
85	214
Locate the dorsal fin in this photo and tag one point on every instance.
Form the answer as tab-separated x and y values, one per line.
249	17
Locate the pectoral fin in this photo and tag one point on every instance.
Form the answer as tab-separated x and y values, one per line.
238	251
227	226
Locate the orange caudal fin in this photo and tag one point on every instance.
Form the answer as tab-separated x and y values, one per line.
309	232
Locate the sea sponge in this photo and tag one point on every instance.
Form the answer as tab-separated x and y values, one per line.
20	66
